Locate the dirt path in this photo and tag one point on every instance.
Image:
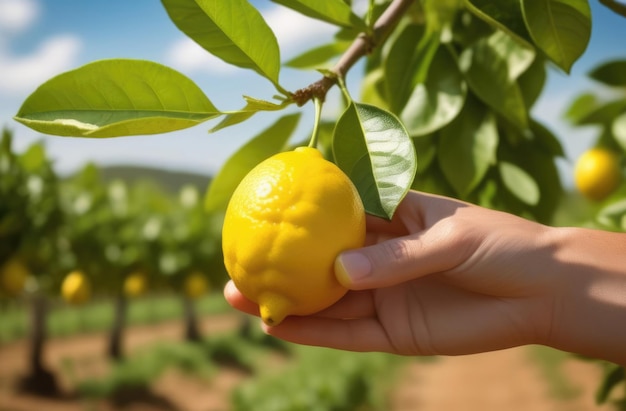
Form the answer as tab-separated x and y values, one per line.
506	380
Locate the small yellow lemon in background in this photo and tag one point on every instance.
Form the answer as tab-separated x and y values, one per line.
135	284
285	224
13	276
597	173
76	288
195	285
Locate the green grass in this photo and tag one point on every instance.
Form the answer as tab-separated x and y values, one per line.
97	316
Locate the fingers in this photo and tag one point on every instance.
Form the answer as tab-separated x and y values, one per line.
238	301
355	304
363	335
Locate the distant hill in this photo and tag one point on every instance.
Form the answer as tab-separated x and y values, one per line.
171	181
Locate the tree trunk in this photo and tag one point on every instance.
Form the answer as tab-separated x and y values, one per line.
115	350
39	381
192	331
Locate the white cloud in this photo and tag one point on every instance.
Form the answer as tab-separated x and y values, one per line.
186	55
17	15
24	73
295	32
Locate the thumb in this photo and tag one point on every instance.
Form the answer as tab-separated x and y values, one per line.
393	261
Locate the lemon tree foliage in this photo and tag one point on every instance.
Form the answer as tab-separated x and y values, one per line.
429	66
608	114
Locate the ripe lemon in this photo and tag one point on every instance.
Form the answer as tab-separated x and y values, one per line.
597	173
13	276
195	285
76	288
285	224
135	284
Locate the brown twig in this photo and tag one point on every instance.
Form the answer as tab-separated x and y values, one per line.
363	45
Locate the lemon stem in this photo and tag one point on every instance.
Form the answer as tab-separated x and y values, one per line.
318	115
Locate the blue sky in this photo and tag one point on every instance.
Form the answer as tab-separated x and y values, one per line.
42	38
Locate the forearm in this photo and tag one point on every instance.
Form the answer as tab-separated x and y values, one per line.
589	306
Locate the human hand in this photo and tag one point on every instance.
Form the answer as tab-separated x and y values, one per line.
443	277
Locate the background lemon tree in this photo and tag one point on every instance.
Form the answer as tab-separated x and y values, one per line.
450	80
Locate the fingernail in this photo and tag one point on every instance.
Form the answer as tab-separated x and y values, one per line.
351	267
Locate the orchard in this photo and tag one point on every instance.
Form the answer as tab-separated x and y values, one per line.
443	105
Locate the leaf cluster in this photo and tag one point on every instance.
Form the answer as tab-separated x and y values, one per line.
605	110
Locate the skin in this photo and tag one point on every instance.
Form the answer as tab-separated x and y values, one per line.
446	277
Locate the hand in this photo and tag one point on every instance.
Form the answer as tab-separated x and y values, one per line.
443	277
446	277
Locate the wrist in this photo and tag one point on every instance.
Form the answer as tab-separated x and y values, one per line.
587	313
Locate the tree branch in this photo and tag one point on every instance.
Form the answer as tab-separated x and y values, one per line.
615	6
363	45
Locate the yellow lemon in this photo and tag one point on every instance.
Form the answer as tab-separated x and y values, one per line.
196	285
135	284
285	224
597	173
13	276
76	288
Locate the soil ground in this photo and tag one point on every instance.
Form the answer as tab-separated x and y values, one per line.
505	380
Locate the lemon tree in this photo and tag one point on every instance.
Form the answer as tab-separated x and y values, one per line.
450	83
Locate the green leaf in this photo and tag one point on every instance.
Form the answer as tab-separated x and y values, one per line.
531	82
619	130
605	113
268	142
252	107
467	148
34	158
111	98
492	66
407	64
519	183
438	100
232	30
373	148
581	107
560	28
612	73
504	15
318	56
613	375
336	12
612	216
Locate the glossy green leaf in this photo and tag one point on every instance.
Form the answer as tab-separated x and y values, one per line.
373	148
438	100
252	107
111	98
619	130
519	183
232	30
504	15
612	73
336	12
268	142
532	80
318	57
560	28
491	67
546	139
407	63
467	148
